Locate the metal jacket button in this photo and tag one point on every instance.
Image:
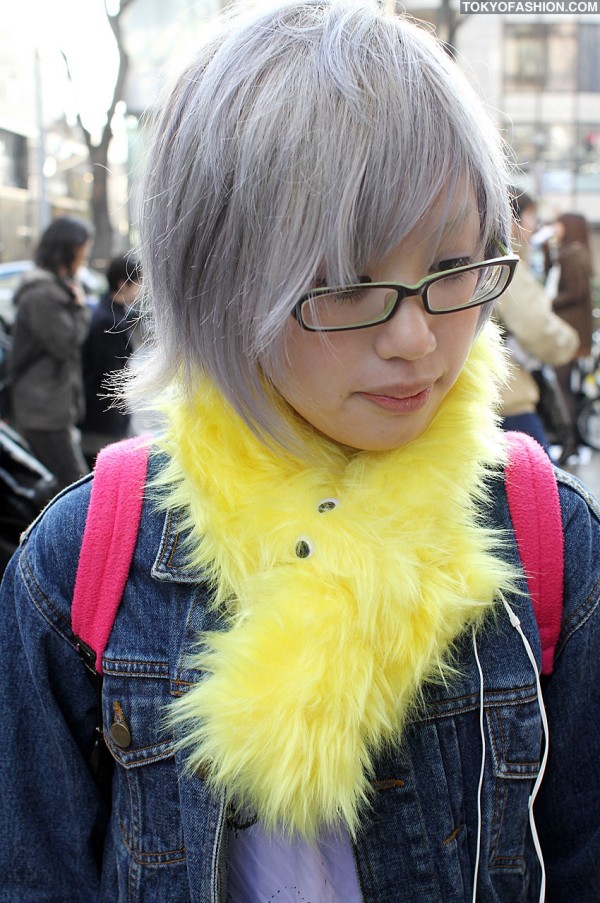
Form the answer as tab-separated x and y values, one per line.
119	730
303	548
327	505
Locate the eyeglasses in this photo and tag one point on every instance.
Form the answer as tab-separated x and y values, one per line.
325	309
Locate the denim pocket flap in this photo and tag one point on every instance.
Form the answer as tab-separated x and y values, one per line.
134	720
515	732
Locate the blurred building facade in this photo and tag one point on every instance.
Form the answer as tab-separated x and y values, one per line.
548	89
43	160
540	74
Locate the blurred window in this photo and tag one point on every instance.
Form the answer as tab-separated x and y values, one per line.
524	54
561	58
588	62
587	151
551	144
546	152
540	57
13	159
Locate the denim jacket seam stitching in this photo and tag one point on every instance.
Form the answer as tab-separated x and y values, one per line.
159	663
504	757
565	479
497	752
507	863
488	704
495	825
138	855
125	834
214	853
136	851
173	547
164	544
571	625
425	836
133	758
135	675
168	546
42	604
187	637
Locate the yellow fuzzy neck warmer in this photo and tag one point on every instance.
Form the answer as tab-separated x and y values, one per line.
344	586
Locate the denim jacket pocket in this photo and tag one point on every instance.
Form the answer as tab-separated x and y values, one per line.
515	735
146	804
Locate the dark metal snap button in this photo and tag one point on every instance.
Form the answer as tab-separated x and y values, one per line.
119	730
327	505
120	734
303	549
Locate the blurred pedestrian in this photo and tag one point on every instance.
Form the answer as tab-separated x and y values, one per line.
51	324
573	300
534	334
107	349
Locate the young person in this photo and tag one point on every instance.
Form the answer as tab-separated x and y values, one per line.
534	334
51	324
573	301
312	688
108	347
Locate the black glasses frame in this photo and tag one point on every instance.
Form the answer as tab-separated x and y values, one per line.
405	291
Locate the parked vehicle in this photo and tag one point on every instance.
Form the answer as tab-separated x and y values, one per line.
25	487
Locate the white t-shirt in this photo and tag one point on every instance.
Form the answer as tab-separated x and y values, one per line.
265	868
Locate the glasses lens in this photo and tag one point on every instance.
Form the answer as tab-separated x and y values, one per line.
353	306
458	290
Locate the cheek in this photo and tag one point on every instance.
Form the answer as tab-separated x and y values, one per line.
314	356
455	337
316	368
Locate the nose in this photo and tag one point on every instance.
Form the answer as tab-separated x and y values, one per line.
408	334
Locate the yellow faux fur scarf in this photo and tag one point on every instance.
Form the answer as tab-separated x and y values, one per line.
344	585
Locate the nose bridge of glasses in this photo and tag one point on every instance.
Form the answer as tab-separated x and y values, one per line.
419	290
401	293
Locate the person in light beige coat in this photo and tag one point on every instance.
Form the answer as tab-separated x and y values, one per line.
535	334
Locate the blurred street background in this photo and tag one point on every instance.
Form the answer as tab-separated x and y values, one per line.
587	469
80	80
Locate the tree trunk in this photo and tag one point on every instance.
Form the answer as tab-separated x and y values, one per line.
103	242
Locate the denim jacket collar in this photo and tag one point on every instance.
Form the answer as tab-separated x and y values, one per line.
171	564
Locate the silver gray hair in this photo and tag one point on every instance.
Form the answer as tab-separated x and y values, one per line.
301	143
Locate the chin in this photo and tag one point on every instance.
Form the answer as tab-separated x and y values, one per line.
383	444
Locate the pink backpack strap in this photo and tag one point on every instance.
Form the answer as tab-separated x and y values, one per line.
109	540
536	515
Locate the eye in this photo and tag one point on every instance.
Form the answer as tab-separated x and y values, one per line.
350	296
355	294
451	264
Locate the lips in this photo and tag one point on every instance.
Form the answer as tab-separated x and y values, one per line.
399	399
400	391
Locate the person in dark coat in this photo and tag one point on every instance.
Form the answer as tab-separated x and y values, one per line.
51	324
107	349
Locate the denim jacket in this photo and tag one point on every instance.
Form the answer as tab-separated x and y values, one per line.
162	837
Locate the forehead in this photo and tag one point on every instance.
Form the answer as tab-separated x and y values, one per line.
452	215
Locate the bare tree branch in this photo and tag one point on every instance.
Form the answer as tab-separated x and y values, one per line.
98	152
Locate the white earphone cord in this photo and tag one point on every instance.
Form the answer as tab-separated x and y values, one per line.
517	625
